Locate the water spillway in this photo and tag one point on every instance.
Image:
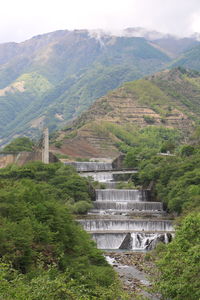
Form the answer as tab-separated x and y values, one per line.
128	206
90	166
111	222
137	241
108	176
100	176
126	225
119	195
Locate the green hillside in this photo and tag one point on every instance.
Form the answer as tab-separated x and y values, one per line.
64	72
190	59
168	100
73	69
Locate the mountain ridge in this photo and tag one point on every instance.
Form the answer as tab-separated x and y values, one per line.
75	67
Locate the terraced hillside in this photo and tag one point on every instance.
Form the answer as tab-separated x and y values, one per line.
169	99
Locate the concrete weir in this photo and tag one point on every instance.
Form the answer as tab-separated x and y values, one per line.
111	223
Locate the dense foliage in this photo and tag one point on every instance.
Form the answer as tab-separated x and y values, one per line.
176	181
179	264
44	253
142	144
19	144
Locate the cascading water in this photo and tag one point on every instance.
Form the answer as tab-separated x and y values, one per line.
90	166
99	176
137	241
118	232
119	195
126	225
128	206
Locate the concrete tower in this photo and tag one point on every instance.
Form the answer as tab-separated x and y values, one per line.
45	150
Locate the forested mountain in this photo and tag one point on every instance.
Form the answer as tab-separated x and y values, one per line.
52	78
189	59
168	100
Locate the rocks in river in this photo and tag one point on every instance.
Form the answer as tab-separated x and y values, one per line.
127	242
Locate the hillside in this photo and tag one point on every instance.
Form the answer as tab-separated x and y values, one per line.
52	78
169	99
189	59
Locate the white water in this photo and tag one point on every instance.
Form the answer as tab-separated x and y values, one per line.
116	232
128	206
99	176
139	241
90	166
119	195
126	225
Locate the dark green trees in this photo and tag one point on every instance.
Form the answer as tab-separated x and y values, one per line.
19	144
44	252
179	262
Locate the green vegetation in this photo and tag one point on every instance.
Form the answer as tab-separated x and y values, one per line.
190	59
60	79
61	156
147	92
177	179
139	144
19	144
173	169
178	262
44	253
35	83
149	119
176	182
125	185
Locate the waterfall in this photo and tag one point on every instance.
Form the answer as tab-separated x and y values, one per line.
148	241
90	166
137	241
119	195
99	176
107	226
108	240
128	206
126	225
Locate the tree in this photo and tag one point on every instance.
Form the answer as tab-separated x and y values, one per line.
19	144
179	262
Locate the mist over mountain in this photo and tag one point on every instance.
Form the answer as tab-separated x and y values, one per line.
52	78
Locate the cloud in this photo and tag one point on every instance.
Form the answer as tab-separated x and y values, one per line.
22	19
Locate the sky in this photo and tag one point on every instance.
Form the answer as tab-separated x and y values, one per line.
22	19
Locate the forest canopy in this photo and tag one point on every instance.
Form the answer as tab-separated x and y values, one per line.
45	254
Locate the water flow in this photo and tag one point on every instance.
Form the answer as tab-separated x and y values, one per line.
116	232
137	241
90	166
119	195
126	225
99	176
128	206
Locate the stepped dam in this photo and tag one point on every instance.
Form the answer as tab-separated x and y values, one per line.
117	222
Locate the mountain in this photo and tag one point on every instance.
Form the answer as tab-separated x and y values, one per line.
189	59
52	78
169	99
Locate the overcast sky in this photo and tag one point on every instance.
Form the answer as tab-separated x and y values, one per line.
22	19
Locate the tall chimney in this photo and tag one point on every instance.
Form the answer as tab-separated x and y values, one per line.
45	150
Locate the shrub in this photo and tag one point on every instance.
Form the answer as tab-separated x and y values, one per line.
149	120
